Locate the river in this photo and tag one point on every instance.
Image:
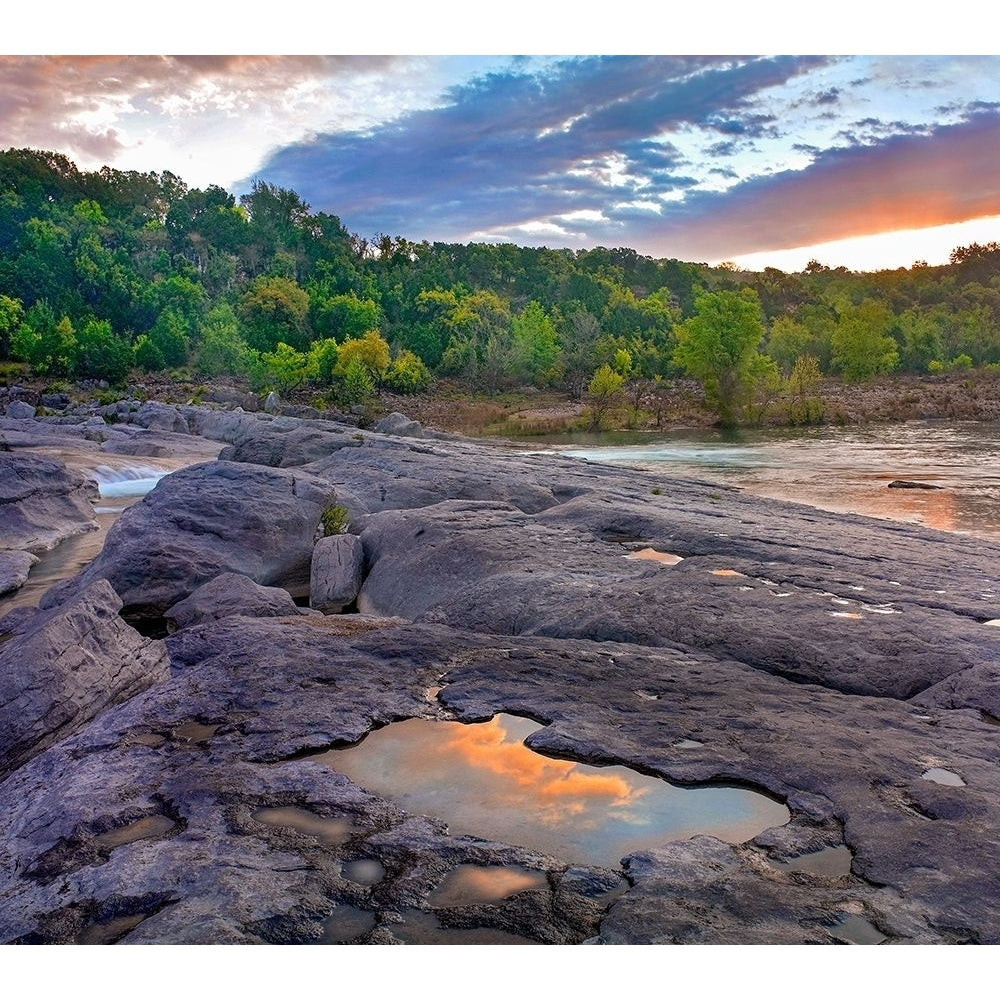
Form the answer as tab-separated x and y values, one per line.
842	469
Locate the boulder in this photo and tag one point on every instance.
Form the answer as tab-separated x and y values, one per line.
14	568
42	502
336	573
17	409
231	594
160	417
272	404
64	668
400	425
207	519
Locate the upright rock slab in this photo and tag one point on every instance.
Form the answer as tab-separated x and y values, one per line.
336	574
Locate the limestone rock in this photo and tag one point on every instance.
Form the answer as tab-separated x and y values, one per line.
64	668
207	519
231	594
17	409
400	425
336	574
42	502
14	569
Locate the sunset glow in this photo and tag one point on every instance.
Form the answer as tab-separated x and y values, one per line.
866	161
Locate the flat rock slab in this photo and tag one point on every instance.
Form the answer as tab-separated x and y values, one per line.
829	661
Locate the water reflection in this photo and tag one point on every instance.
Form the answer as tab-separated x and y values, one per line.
838	469
483	781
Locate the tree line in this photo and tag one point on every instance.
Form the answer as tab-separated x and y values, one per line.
107	271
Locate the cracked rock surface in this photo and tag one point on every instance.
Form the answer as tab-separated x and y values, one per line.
839	664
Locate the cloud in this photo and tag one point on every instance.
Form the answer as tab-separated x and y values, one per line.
903	182
99	109
513	149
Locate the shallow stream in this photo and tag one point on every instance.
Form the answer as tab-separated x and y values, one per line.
841	469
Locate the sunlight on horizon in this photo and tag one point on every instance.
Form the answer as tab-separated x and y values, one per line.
881	251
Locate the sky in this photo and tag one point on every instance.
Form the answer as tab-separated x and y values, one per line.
866	161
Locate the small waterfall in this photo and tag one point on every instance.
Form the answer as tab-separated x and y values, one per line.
127	480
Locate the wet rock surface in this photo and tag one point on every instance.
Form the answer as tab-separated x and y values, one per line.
829	661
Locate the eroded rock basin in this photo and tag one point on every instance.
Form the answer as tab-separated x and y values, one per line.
482	780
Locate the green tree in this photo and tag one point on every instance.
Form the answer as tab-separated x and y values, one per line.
535	345
222	350
862	347
719	347
47	344
147	355
407	374
604	391
275	310
100	354
11	314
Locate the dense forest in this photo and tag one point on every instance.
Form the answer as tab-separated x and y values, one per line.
108	271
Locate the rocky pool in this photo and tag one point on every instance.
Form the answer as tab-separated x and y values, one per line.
482	780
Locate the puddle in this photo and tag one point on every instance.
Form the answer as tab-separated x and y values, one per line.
141	829
328	830
422	928
482	781
364	871
194	732
993	621
942	777
666	558
726	572
646	695
148	740
856	930
687	745
470	884
110	931
844	614
828	861
345	925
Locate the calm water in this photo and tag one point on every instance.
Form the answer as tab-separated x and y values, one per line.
481	780
838	469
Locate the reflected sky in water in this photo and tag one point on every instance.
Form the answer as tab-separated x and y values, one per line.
838	469
481	780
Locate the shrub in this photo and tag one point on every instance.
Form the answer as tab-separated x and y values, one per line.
335	520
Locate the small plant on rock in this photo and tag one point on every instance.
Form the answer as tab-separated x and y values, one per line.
335	520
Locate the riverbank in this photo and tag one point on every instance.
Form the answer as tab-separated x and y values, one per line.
170	790
528	412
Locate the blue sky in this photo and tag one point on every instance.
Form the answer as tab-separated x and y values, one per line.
868	161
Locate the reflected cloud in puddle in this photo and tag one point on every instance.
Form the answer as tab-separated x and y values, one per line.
482	781
329	830
828	861
941	776
470	884
664	558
